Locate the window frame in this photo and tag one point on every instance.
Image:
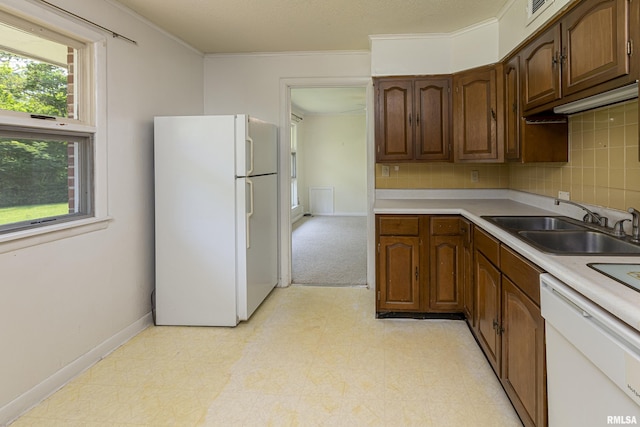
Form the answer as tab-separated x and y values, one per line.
91	120
83	175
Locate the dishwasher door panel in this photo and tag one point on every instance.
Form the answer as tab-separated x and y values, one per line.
593	366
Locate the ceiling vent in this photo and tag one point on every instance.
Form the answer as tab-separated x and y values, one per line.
535	8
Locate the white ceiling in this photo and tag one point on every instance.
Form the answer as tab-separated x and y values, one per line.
252	26
242	26
343	100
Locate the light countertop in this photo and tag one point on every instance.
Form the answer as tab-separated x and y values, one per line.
611	295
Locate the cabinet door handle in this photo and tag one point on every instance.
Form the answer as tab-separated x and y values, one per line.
418	120
416	273
493	114
409	119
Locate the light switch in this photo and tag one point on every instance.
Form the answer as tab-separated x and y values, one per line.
474	176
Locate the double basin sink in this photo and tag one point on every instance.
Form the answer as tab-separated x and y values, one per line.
560	235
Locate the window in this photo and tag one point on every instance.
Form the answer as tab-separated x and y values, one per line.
46	133
294	165
44	177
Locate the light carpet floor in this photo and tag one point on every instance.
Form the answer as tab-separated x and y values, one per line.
329	250
310	356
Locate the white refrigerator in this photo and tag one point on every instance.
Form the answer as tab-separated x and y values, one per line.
216	218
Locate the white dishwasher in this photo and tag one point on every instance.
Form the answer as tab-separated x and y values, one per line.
593	361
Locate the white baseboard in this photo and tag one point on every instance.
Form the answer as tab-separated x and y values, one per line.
37	394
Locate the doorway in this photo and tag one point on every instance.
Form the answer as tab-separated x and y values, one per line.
329	183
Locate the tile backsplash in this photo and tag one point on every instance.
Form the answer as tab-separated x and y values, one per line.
603	167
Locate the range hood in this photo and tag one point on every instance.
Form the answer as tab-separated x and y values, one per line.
611	97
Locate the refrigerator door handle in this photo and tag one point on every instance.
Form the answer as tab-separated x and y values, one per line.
250	144
250	212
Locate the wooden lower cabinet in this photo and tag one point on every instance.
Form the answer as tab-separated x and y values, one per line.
468	286
442	264
523	355
398	273
509	326
446	265
420	265
487	278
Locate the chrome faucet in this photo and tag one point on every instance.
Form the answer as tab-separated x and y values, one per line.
635	229
590	217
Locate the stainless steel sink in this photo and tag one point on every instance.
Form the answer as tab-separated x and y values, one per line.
534	223
579	243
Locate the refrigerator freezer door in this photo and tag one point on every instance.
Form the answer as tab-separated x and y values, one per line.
257	248
256	147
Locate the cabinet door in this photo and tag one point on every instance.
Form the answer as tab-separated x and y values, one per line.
594	38
476	126
394	124
523	355
541	69
487	279
398	273
468	287
512	109
447	263
433	119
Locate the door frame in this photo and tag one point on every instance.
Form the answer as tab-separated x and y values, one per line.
286	84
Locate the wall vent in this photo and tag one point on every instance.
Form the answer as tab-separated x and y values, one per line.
535	8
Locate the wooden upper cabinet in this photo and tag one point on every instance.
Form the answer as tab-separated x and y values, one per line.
586	52
394	130
594	44
536	139
433	121
476	134
541	81
512	109
413	119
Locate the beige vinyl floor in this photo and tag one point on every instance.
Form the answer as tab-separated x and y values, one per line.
310	356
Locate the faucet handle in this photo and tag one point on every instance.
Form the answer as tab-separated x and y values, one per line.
618	228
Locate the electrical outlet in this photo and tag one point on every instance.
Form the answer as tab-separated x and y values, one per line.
396	168
475	176
385	170
564	195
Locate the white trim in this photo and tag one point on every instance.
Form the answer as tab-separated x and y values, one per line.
434	36
295	53
15	240
286	84
153	26
96	99
46	388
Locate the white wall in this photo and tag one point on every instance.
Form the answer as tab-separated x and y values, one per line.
62	299
334	155
513	23
435	53
484	43
259	85
251	84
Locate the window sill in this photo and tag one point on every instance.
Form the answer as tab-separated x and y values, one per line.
26	238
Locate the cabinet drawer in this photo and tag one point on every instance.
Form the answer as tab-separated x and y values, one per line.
445	226
405	225
521	272
486	244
